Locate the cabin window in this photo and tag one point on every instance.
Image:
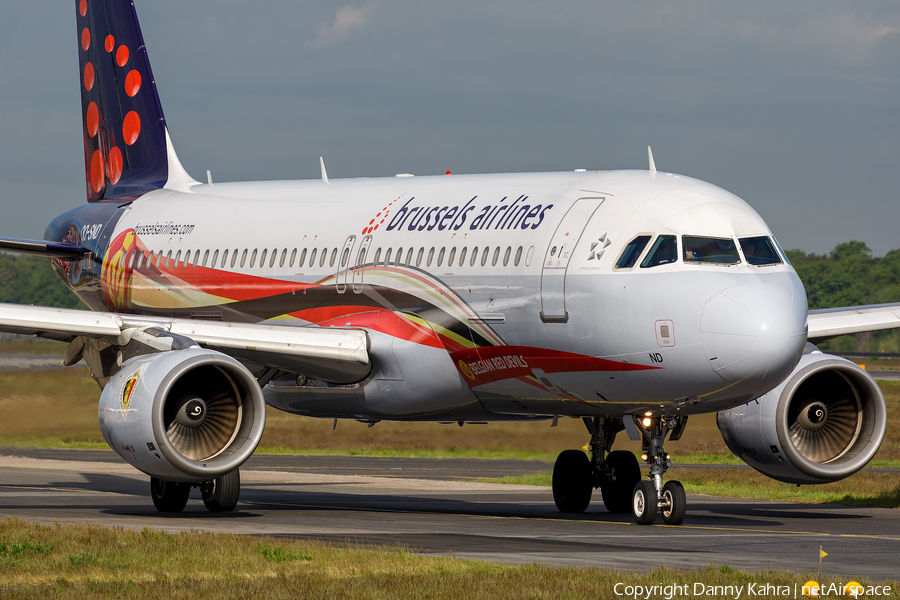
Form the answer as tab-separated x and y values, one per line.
377	257
344	256
474	256
430	257
387	257
283	257
224	258
312	257
632	252
123	260
419	256
462	256
441	257
484	256
140	261
293	257
720	251
302	257
760	251
664	251
262	258
333	257
272	258
518	256
529	256
399	256
168	264
178	259
451	257
244	257
215	259
252	258
507	255
197	257
205	258
234	256
409	254
324	257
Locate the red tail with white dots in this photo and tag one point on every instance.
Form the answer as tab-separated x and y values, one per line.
127	150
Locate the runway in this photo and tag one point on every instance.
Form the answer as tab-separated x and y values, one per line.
437	506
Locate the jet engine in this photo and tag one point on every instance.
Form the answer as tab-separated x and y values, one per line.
185	415
822	424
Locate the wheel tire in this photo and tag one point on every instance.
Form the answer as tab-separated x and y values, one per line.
673	491
625	466
169	496
223	495
572	487
644	503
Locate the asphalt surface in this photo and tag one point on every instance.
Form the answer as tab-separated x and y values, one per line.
437	506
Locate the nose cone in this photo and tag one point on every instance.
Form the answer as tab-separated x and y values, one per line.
754	331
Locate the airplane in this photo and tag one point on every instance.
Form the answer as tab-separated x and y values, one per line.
629	299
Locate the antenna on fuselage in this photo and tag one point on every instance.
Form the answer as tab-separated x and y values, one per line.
650	156
324	174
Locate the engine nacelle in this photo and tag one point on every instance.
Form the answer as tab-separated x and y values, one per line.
822	424
184	415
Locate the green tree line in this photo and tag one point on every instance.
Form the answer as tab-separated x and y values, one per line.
851	276
31	280
848	276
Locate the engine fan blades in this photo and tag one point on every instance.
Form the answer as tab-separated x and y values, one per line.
824	437
212	434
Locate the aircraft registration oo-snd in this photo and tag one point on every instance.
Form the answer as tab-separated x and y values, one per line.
630	299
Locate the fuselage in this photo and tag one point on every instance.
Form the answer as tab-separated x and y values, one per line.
484	295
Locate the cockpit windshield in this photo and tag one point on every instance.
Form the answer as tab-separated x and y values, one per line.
760	251
721	251
664	251
632	252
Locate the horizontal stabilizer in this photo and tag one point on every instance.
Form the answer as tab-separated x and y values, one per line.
43	248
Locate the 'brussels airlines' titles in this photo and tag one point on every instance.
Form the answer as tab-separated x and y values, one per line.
518	214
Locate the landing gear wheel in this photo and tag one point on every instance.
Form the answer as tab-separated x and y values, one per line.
169	496
673	495
617	495
572	481
222	493
644	503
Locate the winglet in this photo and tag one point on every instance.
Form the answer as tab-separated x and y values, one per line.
652	163
324	174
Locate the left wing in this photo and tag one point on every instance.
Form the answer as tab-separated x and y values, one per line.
828	323
331	354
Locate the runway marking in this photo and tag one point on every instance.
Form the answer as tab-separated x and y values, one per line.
691	527
53	489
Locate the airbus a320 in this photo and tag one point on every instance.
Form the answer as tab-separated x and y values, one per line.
629	299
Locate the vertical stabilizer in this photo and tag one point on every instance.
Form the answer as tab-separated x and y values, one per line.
126	147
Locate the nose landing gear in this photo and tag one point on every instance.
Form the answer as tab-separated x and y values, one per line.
651	496
575	476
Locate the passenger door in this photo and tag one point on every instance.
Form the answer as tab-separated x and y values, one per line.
558	255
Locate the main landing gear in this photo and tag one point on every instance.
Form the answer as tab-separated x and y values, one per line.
219	495
575	476
650	496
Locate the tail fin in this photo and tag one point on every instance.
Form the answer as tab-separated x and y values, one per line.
127	149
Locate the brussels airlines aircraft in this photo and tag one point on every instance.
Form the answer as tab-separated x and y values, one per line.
629	299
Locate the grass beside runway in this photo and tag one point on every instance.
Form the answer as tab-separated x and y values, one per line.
77	561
